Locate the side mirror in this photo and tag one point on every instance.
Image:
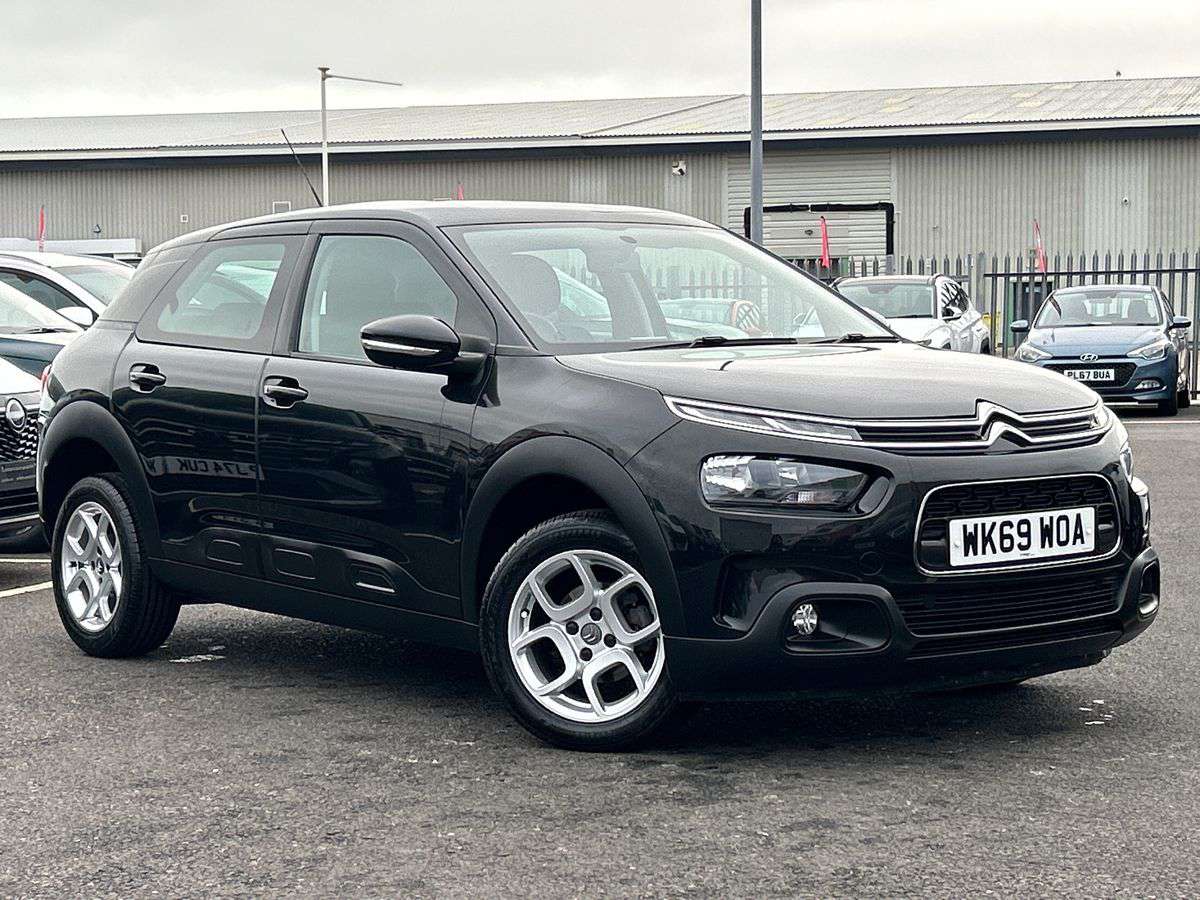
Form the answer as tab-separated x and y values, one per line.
950	314
1020	326
421	344
1181	323
78	315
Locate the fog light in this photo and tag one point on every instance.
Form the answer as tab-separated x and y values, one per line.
804	619
1148	385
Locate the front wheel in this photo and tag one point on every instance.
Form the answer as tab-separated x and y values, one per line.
572	638
108	600
1185	396
1170	406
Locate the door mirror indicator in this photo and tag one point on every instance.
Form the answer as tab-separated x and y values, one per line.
1020	326
422	344
1181	323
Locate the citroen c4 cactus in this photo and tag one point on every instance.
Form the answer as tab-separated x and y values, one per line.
385	416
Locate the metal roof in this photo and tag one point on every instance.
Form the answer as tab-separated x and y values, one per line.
930	110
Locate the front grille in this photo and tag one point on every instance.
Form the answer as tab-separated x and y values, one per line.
980	432
1004	640
1122	371
960	607
19	445
986	498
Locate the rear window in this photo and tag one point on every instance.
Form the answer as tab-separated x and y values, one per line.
102	281
148	279
227	297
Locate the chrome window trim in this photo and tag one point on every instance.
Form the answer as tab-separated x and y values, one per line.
1020	567
984	410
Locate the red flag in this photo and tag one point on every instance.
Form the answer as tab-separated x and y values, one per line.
825	260
1038	246
460	192
41	238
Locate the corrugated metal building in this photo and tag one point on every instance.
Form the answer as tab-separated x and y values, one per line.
1102	164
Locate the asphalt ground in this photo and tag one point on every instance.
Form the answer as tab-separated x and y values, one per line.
256	755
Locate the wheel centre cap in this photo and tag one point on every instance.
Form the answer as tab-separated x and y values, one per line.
590	633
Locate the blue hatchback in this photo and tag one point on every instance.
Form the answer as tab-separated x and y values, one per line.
1122	340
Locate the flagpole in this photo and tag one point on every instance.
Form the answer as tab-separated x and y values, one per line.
756	137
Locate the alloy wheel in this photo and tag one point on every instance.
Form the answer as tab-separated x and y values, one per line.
585	637
90	567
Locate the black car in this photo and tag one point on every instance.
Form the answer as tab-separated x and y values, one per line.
383	416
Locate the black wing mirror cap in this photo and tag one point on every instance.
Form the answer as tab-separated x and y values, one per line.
422	344
1181	323
1020	326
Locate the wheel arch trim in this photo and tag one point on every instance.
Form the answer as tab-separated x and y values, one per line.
580	461
90	420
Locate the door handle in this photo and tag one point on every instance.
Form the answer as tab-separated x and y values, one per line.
145	378
282	392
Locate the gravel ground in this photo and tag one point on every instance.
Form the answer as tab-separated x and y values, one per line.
255	755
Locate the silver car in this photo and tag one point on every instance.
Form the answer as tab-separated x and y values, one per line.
930	309
78	288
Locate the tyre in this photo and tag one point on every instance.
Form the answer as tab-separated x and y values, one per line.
109	602
986	349
1170	406
1185	396
571	636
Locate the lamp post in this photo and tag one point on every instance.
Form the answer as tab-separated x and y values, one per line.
756	137
325	76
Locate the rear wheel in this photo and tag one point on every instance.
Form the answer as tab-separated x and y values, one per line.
571	636
107	598
986	349
1185	396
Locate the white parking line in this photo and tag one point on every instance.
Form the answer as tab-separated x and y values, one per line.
30	560
27	589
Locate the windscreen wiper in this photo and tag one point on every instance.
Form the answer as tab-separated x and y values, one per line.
719	340
857	337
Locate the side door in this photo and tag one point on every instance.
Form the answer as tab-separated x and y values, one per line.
364	466
185	388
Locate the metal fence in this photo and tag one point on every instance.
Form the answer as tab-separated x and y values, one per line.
1009	288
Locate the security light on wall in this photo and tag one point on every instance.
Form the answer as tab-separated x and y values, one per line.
679	167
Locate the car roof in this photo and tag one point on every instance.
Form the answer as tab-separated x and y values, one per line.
1083	288
58	260
902	279
446	213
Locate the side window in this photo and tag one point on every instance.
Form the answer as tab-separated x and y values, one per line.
961	301
946	297
43	292
357	279
228	298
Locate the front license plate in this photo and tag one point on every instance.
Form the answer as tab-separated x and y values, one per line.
1011	538
1091	374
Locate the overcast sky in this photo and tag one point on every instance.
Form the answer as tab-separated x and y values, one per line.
81	57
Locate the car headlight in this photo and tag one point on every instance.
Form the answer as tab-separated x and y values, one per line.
1127	461
1029	353
779	481
1156	349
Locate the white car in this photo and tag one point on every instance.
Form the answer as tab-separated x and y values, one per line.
76	287
930	309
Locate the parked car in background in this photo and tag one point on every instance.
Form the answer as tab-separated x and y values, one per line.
372	416
20	527
933	310
76	287
31	334
1124	341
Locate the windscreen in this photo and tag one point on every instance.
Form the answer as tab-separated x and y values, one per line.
20	314
103	282
891	299
592	286
1102	306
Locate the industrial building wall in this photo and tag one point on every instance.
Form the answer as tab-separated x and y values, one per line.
815	176
149	203
1088	195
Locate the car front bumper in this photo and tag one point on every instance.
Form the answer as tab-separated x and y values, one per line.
1163	373
742	574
